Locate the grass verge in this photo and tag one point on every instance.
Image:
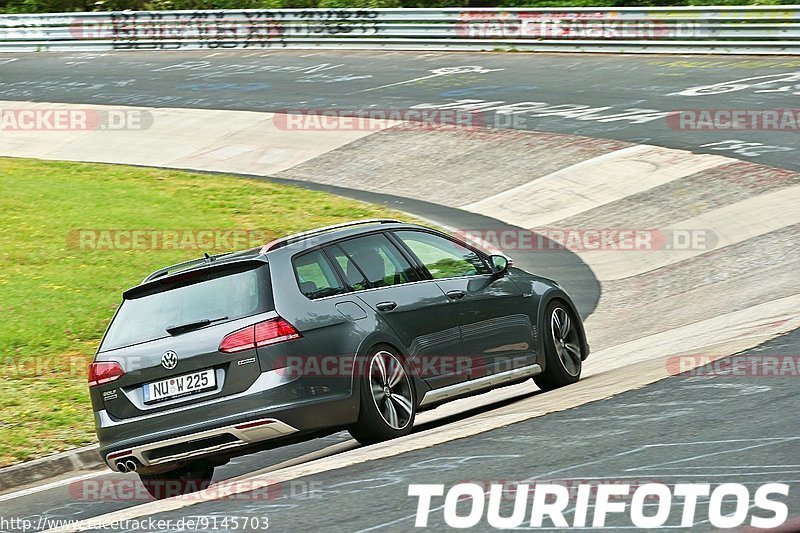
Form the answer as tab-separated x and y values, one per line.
65	258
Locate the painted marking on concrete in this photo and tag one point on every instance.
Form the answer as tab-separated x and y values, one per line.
755	323
245	142
732	224
52	485
592	183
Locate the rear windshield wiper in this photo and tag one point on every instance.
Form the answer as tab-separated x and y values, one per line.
197	324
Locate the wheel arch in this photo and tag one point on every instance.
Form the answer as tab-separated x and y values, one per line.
374	341
557	295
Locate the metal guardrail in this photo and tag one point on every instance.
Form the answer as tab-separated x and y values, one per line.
726	30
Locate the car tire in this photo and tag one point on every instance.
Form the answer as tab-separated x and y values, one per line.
562	347
190	478
387	403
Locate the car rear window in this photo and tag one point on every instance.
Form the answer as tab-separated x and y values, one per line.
220	297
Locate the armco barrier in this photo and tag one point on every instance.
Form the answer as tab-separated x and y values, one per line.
726	30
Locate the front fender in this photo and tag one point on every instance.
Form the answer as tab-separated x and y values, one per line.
547	293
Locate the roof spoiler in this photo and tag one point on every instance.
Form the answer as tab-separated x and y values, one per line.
205	260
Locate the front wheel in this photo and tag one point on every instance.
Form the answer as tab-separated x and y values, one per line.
191	478
387	399
562	346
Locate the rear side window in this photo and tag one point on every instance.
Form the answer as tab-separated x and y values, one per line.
198	297
379	260
316	276
355	278
442	257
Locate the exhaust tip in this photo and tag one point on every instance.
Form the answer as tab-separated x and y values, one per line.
122	467
131	465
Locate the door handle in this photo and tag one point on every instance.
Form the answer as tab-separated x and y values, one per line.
386	306
456	295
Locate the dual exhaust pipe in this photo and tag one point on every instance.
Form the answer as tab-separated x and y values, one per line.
129	465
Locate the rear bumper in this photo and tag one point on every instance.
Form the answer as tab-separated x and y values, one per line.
222	426
200	444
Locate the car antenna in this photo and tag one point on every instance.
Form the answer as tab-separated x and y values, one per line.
208	257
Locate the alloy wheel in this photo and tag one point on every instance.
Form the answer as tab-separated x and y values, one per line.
566	341
391	389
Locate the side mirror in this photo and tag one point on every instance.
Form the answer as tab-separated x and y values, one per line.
500	264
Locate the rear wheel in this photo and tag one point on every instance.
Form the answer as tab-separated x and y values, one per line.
190	478
387	399
562	346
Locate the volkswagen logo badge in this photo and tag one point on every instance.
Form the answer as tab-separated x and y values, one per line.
169	360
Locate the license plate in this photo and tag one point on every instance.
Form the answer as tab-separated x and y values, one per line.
178	386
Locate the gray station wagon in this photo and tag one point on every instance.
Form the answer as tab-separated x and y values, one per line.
356	326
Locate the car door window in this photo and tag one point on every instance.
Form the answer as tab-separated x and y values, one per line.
379	260
355	278
442	257
316	276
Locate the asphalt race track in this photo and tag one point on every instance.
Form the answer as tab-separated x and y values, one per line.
601	442
695	428
634	92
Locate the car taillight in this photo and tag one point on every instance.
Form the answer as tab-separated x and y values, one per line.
105	372
270	331
243	339
274	331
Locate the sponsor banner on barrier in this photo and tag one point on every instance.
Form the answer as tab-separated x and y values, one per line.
576	25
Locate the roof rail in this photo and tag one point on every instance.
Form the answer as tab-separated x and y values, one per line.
284	241
161	272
